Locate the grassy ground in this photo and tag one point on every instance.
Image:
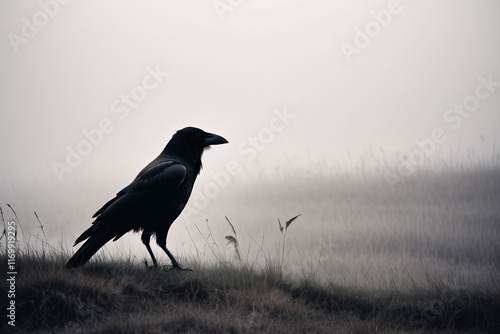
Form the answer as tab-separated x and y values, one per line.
107	296
441	224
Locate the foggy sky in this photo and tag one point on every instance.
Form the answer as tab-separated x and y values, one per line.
273	77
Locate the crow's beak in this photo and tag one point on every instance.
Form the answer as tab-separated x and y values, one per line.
213	139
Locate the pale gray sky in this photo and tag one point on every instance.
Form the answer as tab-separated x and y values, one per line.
68	68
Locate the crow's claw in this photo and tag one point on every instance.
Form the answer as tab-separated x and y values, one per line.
149	267
167	268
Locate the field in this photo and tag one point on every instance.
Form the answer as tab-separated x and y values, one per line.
360	258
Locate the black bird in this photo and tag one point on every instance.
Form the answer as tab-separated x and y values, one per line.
153	200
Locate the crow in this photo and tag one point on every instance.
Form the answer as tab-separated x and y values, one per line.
153	200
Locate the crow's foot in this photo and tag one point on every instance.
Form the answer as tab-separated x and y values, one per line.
149	267
171	267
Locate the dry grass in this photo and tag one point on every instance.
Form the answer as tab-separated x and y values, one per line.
122	296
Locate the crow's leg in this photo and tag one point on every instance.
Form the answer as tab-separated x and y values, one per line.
146	236
162	242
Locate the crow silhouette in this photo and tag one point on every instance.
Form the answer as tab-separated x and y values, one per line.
153	200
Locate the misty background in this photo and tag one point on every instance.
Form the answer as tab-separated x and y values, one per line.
272	77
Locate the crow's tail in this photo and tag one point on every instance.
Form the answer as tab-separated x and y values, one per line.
89	248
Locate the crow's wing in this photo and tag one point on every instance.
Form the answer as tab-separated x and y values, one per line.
154	181
151	178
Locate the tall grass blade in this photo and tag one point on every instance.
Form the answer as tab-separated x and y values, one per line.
232	227
19	223
289	221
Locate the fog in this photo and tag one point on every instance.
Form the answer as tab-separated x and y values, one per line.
91	91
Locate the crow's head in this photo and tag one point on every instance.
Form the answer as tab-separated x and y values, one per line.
199	139
189	143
